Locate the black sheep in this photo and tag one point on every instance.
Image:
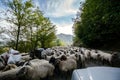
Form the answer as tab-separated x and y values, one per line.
36	53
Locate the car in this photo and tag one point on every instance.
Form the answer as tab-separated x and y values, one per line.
96	73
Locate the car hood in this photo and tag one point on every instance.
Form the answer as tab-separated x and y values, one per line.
96	73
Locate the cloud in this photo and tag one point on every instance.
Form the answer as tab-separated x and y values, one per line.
60	13
65	28
5	25
60	8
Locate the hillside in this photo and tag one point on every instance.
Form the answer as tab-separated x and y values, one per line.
65	38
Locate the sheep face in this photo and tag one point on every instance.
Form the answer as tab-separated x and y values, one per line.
63	57
43	56
115	55
53	61
31	53
77	57
23	71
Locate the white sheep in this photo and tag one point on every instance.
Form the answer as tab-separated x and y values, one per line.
87	54
10	74
82	61
68	64
24	54
9	67
37	69
25	57
74	56
65	66
105	57
48	58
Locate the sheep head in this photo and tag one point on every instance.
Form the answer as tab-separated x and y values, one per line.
23	71
77	56
54	61
63	57
115	55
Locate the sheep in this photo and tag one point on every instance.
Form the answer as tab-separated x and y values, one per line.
21	62
9	67
63	66
10	74
87	54
55	62
80	60
36	53
4	57
47	52
13	59
58	53
63	57
74	56
67	64
105	57
48	58
32	54
1	65
36	69
115	60
94	55
26	57
24	54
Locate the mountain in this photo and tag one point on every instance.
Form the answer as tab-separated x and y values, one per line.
68	39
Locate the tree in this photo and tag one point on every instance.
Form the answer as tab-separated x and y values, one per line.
59	43
19	11
46	33
99	24
31	29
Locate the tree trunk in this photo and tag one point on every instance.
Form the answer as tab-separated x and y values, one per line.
31	38
42	44
18	33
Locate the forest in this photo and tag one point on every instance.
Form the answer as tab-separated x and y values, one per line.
97	25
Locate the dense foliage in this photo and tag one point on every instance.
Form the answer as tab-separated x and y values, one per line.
30	28
99	24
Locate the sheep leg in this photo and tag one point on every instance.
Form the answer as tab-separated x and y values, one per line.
63	75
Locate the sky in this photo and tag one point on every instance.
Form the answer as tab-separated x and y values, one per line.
60	12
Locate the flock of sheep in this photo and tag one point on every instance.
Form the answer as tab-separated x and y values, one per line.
57	61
